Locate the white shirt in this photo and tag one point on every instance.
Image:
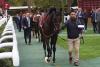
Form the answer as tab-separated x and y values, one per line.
28	19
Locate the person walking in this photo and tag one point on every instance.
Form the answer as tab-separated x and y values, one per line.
73	38
27	26
18	21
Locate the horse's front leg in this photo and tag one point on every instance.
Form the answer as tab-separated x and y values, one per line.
53	42
48	50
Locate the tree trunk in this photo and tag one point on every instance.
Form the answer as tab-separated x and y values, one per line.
69	3
29	5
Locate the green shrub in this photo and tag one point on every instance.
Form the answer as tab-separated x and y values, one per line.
5	49
6	63
2	28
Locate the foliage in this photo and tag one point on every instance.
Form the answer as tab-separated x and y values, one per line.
6	63
39	3
2	28
74	3
15	2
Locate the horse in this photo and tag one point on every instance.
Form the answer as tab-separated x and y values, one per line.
50	30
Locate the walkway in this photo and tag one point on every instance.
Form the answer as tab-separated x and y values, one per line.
33	55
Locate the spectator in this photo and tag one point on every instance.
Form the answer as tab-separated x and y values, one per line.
98	19
85	19
80	15
94	20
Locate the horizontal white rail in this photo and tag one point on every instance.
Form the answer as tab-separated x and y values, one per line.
6	44
5	37
7	32
5	55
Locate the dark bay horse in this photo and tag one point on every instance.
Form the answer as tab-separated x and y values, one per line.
50	30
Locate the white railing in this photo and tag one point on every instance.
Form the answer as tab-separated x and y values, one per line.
2	21
9	29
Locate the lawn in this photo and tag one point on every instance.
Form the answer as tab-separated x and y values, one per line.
90	49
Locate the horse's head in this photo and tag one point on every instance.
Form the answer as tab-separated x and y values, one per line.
56	20
52	22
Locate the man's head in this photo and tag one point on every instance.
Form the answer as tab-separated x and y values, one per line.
27	14
73	16
79	9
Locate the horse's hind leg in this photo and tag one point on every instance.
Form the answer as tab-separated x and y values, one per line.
48	50
39	36
44	47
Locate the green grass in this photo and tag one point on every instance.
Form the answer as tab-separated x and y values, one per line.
2	28
90	49
89	31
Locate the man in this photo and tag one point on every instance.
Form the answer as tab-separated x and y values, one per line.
18	22
80	16
85	18
27	26
73	38
98	19
94	23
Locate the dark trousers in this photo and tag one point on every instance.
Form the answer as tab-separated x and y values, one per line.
98	27
19	27
85	23
27	35
94	26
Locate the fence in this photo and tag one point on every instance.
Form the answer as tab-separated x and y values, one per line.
9	33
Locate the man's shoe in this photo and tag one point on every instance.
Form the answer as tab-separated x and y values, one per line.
26	43
76	64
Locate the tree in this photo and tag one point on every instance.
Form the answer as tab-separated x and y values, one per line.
74	3
15	2
69	3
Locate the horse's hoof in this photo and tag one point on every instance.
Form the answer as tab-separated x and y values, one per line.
54	60
47	60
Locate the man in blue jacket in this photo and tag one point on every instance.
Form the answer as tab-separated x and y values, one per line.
27	26
73	32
